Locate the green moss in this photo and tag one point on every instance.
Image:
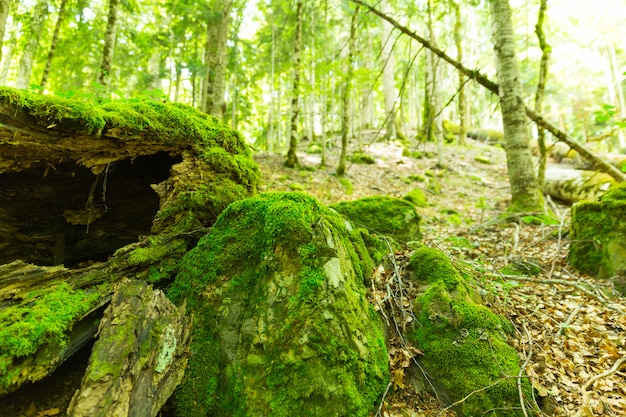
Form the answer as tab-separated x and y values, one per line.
272	308
361	158
42	320
417	197
389	216
598	235
463	342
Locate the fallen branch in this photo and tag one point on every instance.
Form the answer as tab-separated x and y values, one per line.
585	408
523	368
597	162
567	322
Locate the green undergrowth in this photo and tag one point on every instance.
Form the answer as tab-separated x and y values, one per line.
464	342
41	321
283	327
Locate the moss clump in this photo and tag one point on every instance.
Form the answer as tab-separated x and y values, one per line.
389	216
282	327
464	343
417	197
40	321
361	158
598	234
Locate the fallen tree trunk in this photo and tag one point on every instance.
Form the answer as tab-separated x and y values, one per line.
139	357
572	185
476	75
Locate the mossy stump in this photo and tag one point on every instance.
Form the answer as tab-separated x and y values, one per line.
464	343
598	235
114	190
282	325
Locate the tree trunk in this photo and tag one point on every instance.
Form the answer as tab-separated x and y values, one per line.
53	45
216	100
389	81
480	78
33	33
5	6
546	50
525	193
572	185
346	96
292	158
139	358
462	100
109	45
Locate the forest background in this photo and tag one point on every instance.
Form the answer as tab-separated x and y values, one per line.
263	66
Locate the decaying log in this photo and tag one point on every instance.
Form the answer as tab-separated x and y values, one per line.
571	185
481	79
139	357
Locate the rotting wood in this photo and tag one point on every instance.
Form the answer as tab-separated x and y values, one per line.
139	357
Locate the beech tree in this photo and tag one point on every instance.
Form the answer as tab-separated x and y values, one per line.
31	35
525	193
292	158
109	44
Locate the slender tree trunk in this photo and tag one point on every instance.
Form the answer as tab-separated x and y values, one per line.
5	6
32	34
546	50
292	158
433	131
53	45
462	100
219	82
346	96
616	80
109	45
525	193
389	82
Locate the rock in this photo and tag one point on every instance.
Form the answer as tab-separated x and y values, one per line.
384	215
463	342
598	235
282	325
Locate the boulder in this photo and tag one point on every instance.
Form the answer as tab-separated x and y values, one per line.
598	235
463	342
282	324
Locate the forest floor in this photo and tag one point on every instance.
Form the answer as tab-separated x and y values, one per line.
571	329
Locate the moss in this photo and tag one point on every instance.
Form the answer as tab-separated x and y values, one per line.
417	197
361	158
598	235
272	310
464	343
42	320
389	216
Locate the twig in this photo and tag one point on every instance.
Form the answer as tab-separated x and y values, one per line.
567	322
585	407
523	367
382	400
476	391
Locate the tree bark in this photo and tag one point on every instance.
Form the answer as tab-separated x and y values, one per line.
292	158
480	78
33	33
53	46
5	6
139	357
345	99
462	100
546	50
525	193
108	50
389	81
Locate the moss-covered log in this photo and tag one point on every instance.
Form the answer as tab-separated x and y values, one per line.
93	193
139	357
571	185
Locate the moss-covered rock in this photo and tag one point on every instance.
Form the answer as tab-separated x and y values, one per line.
598	235
464	343
282	325
417	197
384	215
